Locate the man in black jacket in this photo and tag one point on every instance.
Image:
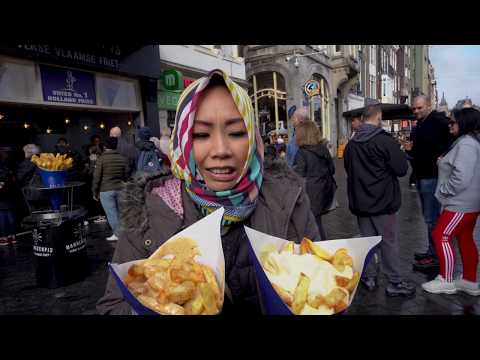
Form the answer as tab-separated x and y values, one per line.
373	162
127	150
430	140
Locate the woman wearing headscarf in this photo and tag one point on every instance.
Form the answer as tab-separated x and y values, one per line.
217	161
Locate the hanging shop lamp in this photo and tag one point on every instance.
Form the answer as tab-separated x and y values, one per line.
49	131
102	126
26	125
85	127
67	121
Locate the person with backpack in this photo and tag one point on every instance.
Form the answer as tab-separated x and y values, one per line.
314	163
111	171
458	191
149	158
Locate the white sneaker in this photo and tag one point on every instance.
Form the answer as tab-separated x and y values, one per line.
469	287
112	238
100	220
440	286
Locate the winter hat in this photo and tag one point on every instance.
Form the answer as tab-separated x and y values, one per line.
144	133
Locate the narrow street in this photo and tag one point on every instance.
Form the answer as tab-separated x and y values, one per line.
19	294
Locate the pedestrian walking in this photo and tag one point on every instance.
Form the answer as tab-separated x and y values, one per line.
373	163
7	216
430	139
108	178
215	128
356	122
26	169
162	146
298	116
77	172
314	163
149	156
126	149
458	191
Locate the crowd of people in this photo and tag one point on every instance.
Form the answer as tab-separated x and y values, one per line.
104	165
444	153
216	158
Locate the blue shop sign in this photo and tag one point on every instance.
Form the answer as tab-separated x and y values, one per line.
67	86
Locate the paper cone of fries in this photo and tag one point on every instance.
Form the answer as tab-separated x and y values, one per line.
311	278
186	275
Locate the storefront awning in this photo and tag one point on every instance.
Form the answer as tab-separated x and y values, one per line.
389	112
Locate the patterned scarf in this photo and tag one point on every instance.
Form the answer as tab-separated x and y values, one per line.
240	201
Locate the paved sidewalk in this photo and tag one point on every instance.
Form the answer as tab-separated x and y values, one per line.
19	294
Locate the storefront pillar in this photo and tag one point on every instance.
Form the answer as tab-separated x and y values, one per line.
150	105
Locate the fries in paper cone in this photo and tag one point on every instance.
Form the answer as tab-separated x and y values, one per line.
184	276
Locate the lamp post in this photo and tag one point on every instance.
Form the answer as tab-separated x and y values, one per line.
296	56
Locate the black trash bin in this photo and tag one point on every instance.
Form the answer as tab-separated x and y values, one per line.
60	252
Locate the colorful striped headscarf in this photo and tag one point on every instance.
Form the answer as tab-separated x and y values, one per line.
240	201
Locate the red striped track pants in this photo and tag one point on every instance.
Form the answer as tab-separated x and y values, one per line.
461	226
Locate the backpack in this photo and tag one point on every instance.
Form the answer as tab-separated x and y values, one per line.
148	161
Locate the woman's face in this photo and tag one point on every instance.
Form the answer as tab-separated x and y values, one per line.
220	139
453	127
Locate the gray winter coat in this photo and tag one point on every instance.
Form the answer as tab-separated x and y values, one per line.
283	210
458	187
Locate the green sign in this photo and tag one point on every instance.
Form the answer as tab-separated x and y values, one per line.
168	100
172	80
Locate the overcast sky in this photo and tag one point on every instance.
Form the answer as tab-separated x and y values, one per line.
457	70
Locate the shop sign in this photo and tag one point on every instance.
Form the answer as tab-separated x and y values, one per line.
107	57
312	88
67	86
168	100
172	80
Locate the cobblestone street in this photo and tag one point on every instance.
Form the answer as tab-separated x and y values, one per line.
19	294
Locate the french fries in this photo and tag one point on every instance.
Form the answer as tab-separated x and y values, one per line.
178	285
301	294
313	282
50	162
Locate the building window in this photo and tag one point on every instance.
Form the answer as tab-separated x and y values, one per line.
373	87
338	48
241	49
372	54
171	119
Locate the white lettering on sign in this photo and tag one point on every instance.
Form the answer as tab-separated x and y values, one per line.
69	54
76	246
170	80
42	250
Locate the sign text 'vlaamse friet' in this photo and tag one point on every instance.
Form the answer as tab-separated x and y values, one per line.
79	56
67	86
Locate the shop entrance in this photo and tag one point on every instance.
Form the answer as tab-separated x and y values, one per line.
21	125
269	100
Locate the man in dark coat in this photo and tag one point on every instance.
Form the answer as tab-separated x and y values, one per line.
430	140
373	162
127	150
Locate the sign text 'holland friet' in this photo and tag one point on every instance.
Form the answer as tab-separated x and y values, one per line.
68	86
